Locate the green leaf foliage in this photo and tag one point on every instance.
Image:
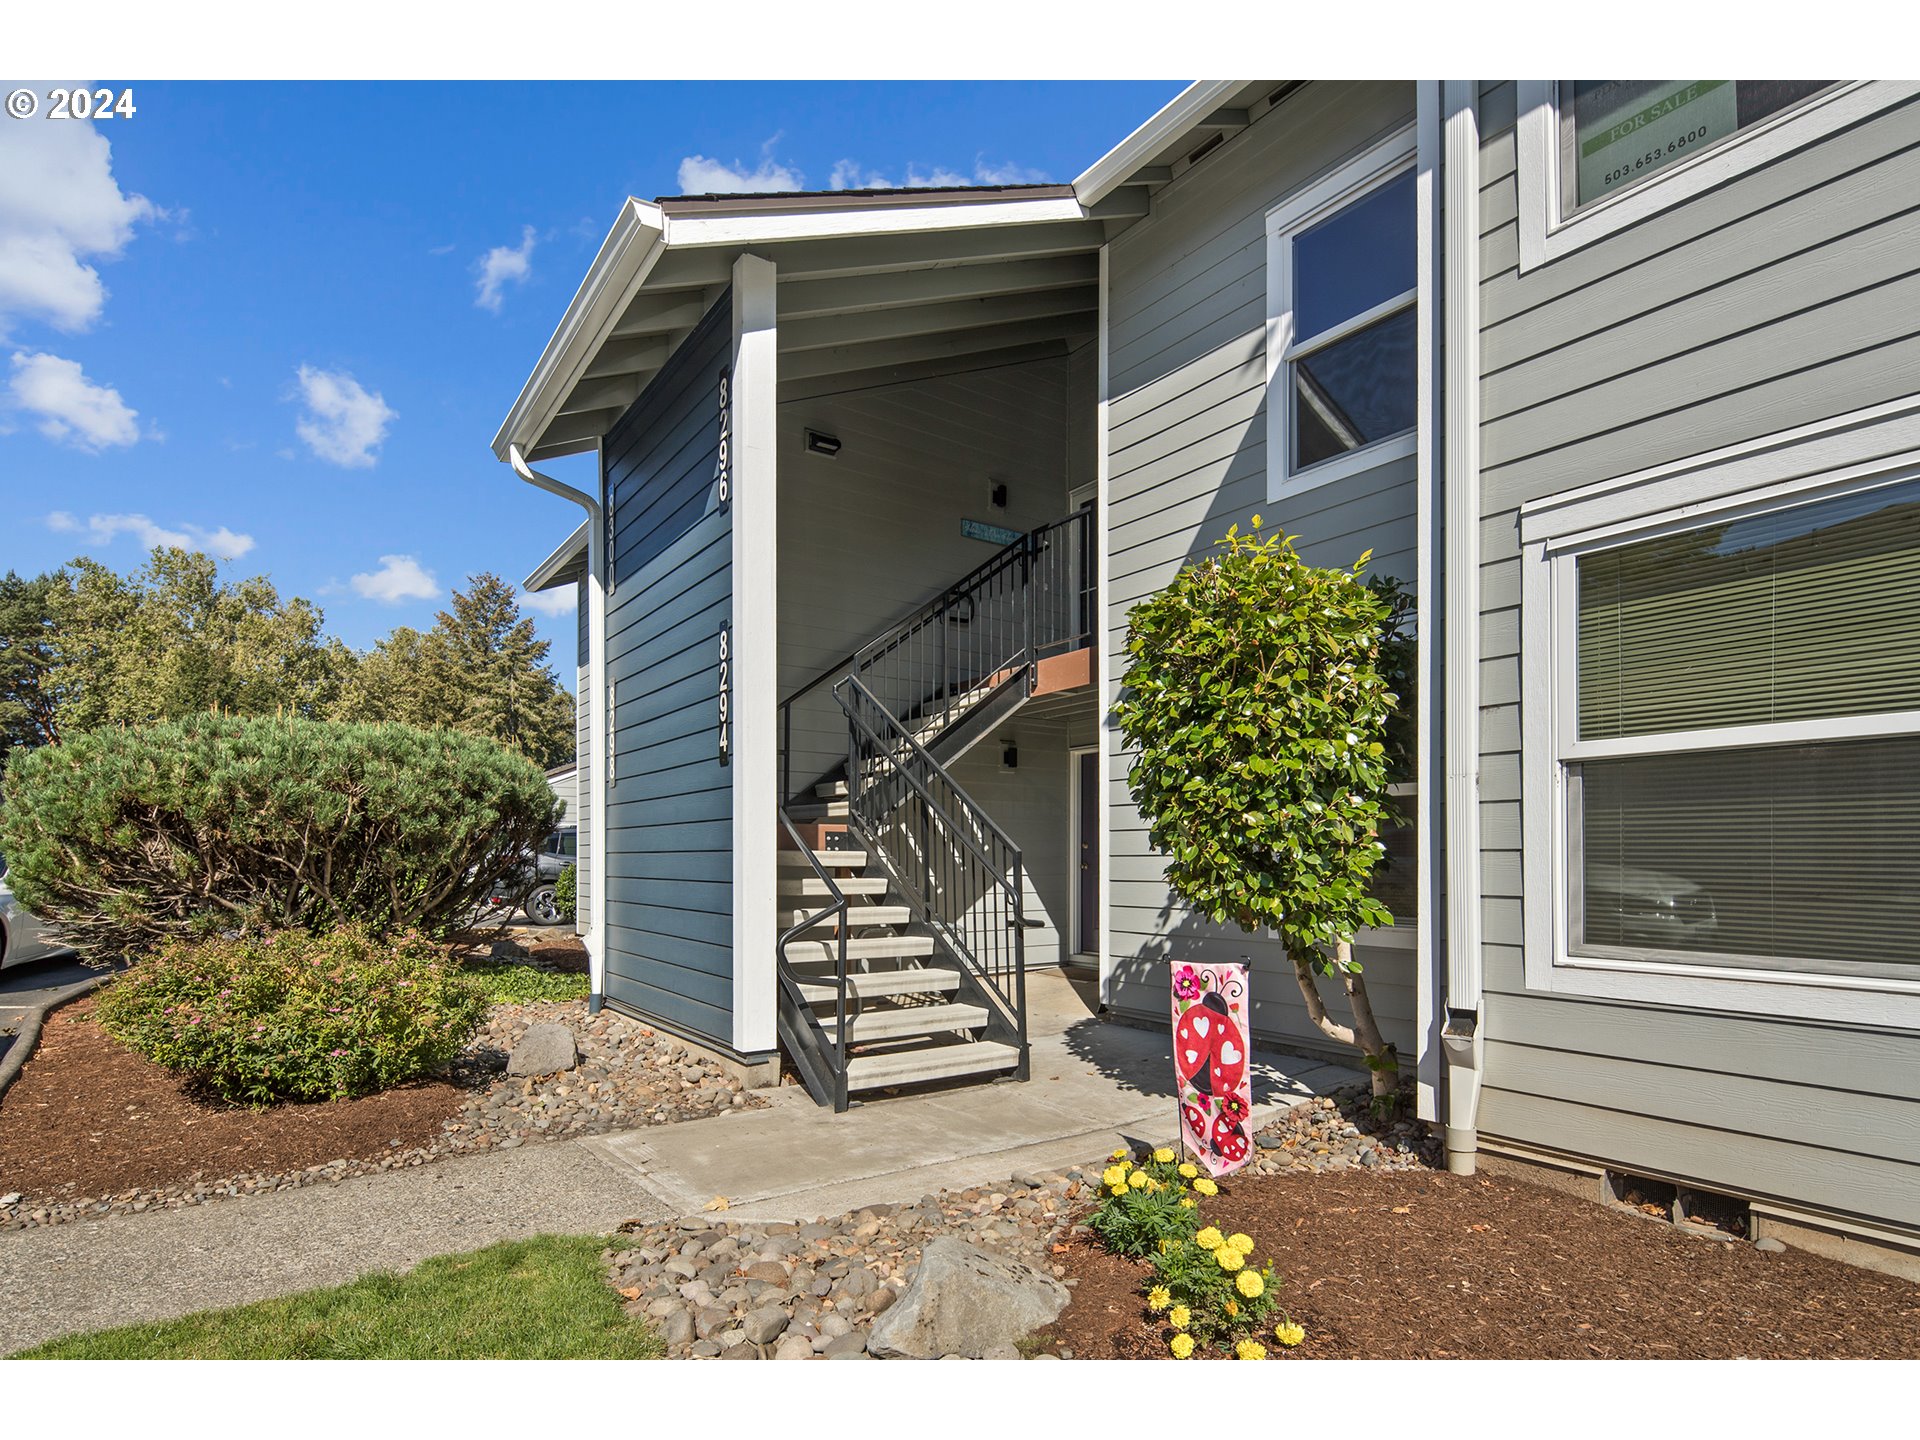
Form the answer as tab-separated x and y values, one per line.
566	893
261	1018
1263	698
123	838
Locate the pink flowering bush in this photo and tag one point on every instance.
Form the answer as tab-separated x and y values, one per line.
259	1018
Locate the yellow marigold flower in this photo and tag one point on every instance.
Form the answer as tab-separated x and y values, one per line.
1163	1155
1231	1306
1186	1204
1179	1317
1230	1259
1289	1334
1181	1346
1208	1239
1250	1350
1206	1186
1138	1179
1119	1189
1158	1298
1119	1154
1189	1170
1111	1176
1242	1243
1249	1284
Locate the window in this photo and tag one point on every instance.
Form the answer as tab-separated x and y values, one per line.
1731	789
1597	156
1616	133
1341	348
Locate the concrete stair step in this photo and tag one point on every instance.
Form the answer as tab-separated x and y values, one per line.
812	885
900	1021
818	810
878	984
861	916
831	789
829	859
870	947
939	1062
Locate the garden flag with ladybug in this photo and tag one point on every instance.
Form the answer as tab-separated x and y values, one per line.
1210	1064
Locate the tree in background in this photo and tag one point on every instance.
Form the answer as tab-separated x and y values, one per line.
29	689
83	647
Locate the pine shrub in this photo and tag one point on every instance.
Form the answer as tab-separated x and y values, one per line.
125	838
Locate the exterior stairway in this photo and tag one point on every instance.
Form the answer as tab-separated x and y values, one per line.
902	957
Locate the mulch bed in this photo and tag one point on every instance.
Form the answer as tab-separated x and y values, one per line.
1434	1266
89	1117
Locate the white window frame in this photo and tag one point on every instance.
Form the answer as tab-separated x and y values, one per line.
1547	234
1300	211
1850	453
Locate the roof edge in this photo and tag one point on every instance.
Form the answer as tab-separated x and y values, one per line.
547	574
1166	125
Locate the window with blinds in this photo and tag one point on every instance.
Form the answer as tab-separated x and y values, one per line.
1779	846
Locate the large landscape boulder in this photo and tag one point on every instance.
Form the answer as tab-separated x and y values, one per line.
546	1049
964	1301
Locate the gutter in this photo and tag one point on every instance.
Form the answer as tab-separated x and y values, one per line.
597	697
1462	1039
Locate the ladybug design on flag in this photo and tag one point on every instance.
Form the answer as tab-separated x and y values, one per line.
1210	1064
1210	1053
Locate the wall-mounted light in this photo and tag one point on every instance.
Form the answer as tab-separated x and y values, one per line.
1010	757
822	444
997	494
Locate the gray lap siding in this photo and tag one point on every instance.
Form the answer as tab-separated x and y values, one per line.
669	823
1789	294
1187	458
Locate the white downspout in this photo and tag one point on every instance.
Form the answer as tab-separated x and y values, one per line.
596	712
1461	1035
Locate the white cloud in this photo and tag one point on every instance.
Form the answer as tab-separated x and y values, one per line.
400	577
72	409
500	265
60	206
222	543
560	601
701	175
344	422
852	175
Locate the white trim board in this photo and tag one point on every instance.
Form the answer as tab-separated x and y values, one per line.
1765	473
1546	235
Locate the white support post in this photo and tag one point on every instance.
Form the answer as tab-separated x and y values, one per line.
600	743
755	699
1102	661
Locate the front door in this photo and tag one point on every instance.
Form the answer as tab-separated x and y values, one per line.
1086	836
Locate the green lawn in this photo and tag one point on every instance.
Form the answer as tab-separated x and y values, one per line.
538	1299
509	983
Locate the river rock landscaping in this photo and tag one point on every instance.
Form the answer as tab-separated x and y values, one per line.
92	1129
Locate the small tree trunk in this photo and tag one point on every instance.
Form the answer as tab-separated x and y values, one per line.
1364	1034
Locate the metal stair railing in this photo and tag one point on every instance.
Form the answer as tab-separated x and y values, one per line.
960	873
821	1058
1031	599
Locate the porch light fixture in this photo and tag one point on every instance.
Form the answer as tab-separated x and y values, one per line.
822	444
1010	757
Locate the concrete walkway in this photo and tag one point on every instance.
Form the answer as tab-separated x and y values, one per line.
1094	1086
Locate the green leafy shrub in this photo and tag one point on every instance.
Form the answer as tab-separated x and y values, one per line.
125	838
259	1018
566	893
510	983
1263	697
1145	1204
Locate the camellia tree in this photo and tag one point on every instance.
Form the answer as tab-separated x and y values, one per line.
1263	697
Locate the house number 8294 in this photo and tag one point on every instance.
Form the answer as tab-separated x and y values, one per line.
726	691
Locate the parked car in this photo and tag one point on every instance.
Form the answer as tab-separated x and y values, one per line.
530	888
23	937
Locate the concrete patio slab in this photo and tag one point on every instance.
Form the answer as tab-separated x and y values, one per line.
1095	1085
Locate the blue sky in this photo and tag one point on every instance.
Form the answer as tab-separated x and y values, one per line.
285	320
